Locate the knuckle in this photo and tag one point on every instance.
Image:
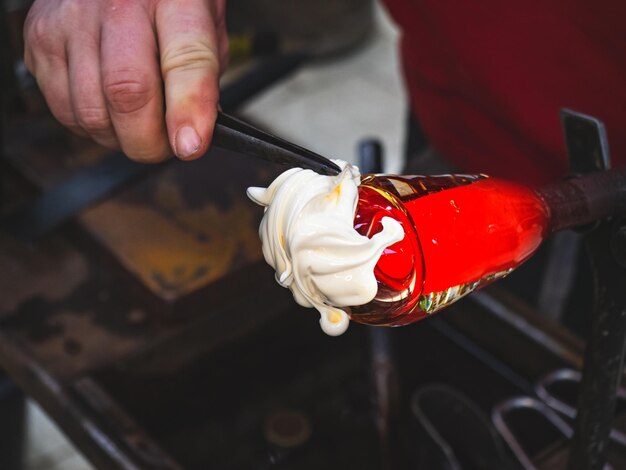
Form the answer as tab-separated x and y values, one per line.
38	33
190	57
93	119
127	92
72	9
42	36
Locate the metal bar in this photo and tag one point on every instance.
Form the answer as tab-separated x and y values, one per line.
384	370
604	355
516	404
81	425
579	201
131	436
598	194
266	73
604	195
542	389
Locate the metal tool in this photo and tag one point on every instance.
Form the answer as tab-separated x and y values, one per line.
385	374
232	134
544	387
604	354
502	412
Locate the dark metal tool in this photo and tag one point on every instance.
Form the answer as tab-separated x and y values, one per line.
232	134
604	354
384	368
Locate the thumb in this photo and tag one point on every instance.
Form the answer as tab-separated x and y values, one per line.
189	51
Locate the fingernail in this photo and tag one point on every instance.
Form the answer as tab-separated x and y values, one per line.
187	142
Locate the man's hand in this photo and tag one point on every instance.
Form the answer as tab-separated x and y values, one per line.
139	75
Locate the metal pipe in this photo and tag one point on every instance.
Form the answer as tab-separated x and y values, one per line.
604	354
581	200
384	371
603	196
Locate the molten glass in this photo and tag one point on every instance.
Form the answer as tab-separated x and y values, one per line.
461	233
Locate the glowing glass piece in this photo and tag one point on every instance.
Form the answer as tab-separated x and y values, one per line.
461	233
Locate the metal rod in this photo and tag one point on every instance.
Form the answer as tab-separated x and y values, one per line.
603	196
579	201
266	73
604	354
384	370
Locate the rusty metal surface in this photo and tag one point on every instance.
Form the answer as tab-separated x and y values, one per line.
186	227
166	270
75	320
58	266
184	235
177	230
46	154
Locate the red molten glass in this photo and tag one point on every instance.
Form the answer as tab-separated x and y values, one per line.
461	233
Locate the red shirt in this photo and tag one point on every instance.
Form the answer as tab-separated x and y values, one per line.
487	78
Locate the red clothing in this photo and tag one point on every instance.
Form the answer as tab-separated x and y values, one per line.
487	78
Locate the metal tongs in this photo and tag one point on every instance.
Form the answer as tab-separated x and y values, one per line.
232	134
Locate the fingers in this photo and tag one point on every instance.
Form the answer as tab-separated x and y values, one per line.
46	58
86	94
190	59
131	82
56	90
102	73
